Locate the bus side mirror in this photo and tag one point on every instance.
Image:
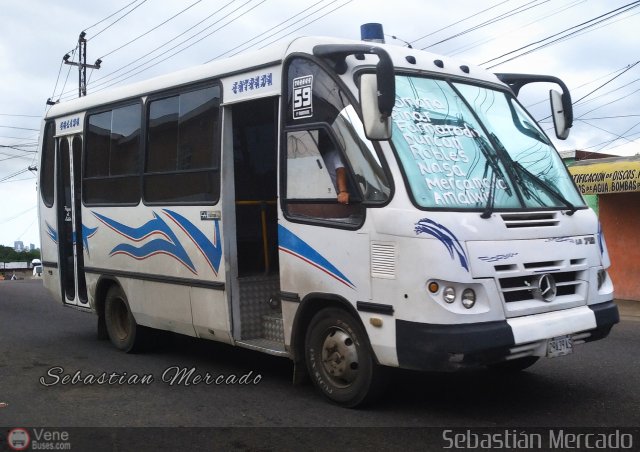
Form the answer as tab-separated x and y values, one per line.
558	114
377	123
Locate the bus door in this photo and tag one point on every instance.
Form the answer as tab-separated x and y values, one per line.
255	274
70	231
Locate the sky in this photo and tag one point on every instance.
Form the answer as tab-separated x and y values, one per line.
140	39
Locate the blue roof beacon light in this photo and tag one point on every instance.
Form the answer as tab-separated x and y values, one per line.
372	32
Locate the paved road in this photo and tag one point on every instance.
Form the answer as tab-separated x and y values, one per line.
596	386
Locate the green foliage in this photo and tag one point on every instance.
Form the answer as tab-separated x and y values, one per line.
8	254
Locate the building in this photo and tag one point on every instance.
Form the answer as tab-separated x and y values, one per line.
18	246
616	183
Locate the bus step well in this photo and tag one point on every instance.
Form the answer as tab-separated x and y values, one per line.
272	328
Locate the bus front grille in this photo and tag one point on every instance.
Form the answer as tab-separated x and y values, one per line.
521	288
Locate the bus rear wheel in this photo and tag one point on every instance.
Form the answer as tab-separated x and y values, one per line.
122	329
339	359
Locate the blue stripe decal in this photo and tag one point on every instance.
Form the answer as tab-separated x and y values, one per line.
170	245
292	244
51	232
446	237
211	251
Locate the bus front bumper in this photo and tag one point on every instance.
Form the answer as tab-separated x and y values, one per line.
424	346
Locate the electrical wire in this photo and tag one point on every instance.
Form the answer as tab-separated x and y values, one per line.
305	25
473	45
111	15
6	220
190	45
457	22
150	30
19	128
73	56
490	21
107	78
117	20
21	116
270	29
587	24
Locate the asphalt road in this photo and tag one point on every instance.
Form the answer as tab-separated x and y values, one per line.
597	386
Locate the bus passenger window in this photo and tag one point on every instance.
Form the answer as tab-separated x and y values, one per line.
112	155
182	148
47	169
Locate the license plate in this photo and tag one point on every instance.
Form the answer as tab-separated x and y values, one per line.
559	346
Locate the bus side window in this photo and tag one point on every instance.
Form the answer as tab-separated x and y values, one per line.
182	148
112	157
332	135
311	187
47	170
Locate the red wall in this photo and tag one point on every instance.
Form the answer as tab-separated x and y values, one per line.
620	218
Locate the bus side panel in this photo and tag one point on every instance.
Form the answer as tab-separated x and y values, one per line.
211	314
337	263
161	256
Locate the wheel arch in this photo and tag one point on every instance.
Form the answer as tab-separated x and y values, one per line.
310	305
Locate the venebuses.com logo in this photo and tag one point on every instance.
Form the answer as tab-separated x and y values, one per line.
38	439
18	439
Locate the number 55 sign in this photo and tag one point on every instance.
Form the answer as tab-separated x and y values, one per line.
302	94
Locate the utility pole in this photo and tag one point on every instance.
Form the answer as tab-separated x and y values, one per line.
82	64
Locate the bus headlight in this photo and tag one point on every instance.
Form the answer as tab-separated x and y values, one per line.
449	294
468	298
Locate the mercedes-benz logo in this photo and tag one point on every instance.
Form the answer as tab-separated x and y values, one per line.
545	288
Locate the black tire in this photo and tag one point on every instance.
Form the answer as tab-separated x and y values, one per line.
122	328
514	365
339	359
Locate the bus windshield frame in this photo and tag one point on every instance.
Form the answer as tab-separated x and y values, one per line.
473	147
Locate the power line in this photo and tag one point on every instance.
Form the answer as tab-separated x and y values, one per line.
606	83
19	128
117	20
105	79
73	55
150	30
607	104
479	42
586	24
305	25
270	28
621	136
111	15
506	15
21	116
28	227
17	173
6	220
19	180
190	45
457	22
608	117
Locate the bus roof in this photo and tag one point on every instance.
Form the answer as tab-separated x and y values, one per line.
271	55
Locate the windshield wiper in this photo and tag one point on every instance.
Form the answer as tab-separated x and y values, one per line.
533	178
548	188
494	162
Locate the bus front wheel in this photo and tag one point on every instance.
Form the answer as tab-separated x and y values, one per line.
339	359
122	329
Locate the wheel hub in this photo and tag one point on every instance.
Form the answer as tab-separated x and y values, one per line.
340	357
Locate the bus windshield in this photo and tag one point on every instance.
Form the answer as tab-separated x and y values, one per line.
465	146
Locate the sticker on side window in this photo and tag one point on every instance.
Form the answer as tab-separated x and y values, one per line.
302	94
